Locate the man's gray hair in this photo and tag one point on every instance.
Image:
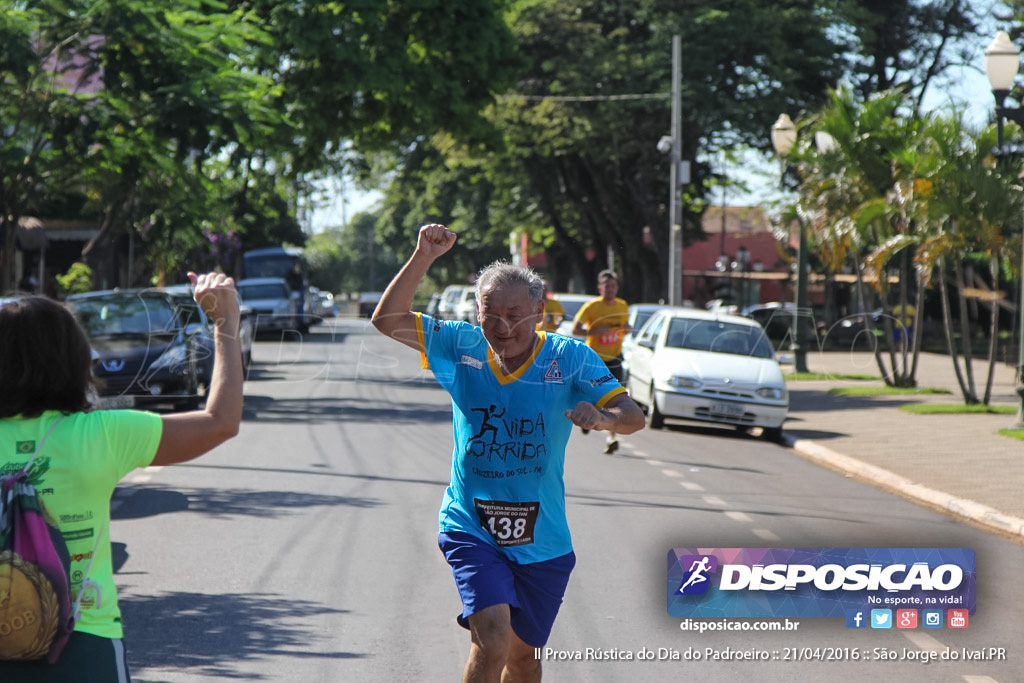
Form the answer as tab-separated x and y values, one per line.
504	274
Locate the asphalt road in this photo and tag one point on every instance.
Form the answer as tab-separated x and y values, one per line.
305	549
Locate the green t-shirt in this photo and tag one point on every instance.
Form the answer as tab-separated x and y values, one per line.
75	475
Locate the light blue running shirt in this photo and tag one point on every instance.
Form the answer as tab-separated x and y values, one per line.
510	435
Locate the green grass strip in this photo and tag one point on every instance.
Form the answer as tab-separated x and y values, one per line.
956	409
1013	433
886	391
828	375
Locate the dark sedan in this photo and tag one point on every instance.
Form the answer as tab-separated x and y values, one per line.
148	354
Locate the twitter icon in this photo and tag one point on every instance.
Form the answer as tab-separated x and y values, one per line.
881	618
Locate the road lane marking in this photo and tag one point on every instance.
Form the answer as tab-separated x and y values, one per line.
672	473
766	535
715	500
925	641
690	486
737	516
980	679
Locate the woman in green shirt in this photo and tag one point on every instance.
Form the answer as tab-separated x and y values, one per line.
46	385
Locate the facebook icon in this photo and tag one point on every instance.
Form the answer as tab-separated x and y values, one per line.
855	618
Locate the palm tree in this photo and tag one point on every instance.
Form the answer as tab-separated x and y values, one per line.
855	191
971	210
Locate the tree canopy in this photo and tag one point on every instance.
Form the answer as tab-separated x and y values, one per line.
177	121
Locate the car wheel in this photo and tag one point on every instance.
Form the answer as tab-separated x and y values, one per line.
655	420
773	434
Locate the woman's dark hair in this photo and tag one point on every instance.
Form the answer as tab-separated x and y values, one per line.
45	359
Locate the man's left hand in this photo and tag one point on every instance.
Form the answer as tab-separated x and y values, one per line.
585	415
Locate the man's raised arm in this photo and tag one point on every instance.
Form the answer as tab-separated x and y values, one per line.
393	315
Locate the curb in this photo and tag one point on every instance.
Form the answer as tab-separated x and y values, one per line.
962	507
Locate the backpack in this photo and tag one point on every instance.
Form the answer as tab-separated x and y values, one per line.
36	612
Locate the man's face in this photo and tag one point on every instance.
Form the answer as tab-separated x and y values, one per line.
608	289
508	320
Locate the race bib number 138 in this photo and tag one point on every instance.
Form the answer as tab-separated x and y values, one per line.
508	523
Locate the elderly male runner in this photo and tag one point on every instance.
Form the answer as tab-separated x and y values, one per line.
516	392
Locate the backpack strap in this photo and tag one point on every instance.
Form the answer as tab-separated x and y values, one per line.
86	582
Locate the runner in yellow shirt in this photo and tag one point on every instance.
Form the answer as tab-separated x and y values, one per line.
605	322
554	312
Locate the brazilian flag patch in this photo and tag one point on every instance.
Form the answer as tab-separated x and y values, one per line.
25	447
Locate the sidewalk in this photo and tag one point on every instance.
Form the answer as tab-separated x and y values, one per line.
958	463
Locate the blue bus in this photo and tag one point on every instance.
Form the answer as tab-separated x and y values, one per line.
288	263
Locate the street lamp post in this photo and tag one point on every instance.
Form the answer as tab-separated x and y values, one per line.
783	140
1002	61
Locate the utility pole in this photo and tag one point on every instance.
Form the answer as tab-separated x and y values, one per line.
678	174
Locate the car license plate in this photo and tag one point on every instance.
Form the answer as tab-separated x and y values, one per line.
114	402
726	409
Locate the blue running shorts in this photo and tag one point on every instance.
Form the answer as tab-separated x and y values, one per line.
485	577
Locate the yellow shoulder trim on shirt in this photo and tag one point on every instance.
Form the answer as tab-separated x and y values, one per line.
508	379
421	338
609	396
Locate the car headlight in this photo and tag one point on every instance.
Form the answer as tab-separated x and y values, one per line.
678	382
171	359
774	393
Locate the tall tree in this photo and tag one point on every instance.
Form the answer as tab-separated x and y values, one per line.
910	44
579	170
146	109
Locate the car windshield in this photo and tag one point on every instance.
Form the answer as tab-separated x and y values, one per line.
719	337
133	314
572	307
188	310
268	291
641	318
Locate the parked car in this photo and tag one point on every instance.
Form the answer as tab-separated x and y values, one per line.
853	332
777	320
148	354
572	303
450	298
271	301
639	314
197	323
692	364
431	307
327	307
465	307
368	303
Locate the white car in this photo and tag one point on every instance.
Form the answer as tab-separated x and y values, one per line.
465	307
692	364
450	298
572	303
638	315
